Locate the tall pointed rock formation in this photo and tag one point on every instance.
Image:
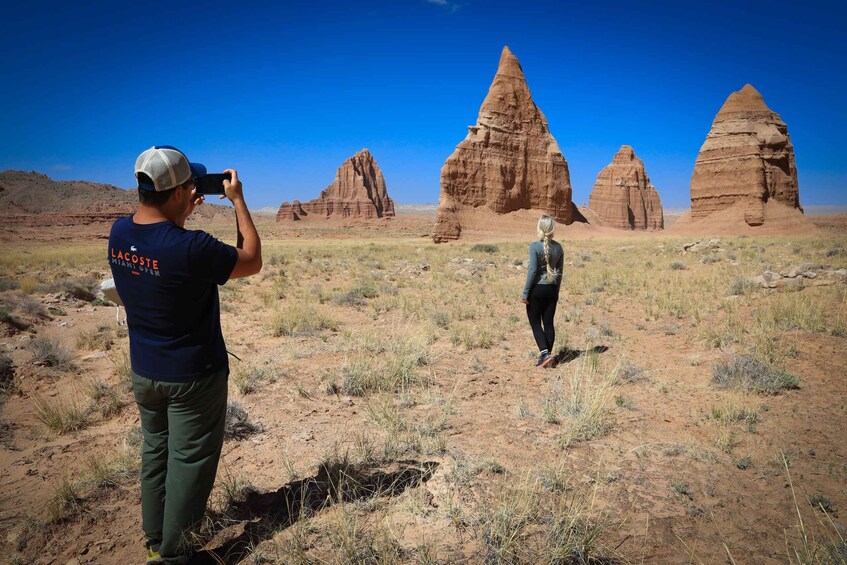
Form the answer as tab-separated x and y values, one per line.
509	160
623	196
746	160
358	191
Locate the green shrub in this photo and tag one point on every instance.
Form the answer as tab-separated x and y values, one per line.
748	373
485	248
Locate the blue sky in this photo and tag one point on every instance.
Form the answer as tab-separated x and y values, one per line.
286	91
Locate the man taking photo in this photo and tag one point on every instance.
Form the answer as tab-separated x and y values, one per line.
167	278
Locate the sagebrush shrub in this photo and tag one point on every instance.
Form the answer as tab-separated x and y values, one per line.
485	248
49	352
7	370
748	373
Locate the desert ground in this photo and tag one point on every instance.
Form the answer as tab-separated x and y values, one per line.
385	406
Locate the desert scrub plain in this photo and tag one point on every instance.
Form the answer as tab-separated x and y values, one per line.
385	407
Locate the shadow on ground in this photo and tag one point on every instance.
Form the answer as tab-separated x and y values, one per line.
566	354
264	514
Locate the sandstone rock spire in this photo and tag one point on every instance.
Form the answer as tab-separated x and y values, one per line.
623	196
746	160
358	191
509	160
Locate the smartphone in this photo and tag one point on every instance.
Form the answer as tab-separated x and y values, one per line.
212	183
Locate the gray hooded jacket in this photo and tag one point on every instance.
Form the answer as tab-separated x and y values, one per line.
537	272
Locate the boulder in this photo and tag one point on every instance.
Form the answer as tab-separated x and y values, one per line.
768	279
746	160
509	160
699	246
623	196
358	191
806	270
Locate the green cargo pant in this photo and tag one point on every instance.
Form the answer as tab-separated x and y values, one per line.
183	428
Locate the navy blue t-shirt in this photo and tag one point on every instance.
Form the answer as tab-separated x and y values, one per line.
167	278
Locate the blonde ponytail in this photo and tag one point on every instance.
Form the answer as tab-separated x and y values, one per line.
546	227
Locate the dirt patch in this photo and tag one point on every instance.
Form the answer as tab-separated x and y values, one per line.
457	442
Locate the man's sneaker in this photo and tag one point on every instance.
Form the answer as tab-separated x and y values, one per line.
153	557
548	360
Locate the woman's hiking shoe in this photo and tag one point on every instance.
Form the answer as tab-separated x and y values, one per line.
153	557
541	359
548	360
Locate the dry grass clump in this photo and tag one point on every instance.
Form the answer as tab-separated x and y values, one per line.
105	399
60	416
30	306
7	372
396	365
508	525
9	318
825	543
481	336
485	248
95	339
299	319
70	498
237	424
80	288
351	541
795	311
67	501
249	378
122	366
741	286
49	352
526	524
587	403
365	289
105	473
748	373
231	489
735	410
626	372
403	436
9	284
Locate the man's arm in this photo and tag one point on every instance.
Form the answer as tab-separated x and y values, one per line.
248	244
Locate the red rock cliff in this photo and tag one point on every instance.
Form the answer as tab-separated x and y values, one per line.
623	196
509	160
358	191
747	159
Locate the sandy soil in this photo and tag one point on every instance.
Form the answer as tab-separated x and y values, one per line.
669	482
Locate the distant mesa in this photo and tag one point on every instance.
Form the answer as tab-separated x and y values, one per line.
623	196
747	161
358	191
32	198
509	160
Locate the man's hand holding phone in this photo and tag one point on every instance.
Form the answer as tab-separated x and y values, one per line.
211	183
232	186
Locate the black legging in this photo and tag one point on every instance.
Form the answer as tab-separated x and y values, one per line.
540	311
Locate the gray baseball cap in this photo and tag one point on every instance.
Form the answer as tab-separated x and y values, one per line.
167	167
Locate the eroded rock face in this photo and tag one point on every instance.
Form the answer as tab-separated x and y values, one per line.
747	159
358	191
623	196
291	211
508	161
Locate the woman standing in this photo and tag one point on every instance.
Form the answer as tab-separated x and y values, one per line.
541	291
